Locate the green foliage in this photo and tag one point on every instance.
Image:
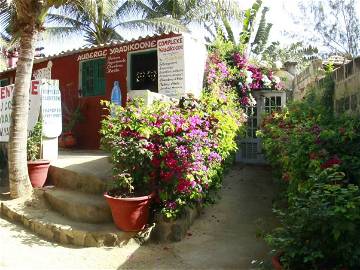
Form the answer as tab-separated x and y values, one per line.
315	155
320	227
71	118
248	22
262	34
296	52
34	142
129	156
99	21
178	150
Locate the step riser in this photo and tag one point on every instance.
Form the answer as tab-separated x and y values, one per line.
67	179
67	235
99	213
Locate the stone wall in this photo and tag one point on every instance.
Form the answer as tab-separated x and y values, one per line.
347	85
307	79
347	88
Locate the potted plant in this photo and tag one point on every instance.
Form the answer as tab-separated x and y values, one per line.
130	192
37	168
129	209
71	118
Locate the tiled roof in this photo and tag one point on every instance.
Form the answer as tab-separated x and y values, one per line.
91	47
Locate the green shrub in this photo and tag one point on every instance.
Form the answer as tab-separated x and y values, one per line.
320	227
316	158
34	142
180	150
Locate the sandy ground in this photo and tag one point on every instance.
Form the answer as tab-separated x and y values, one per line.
224	237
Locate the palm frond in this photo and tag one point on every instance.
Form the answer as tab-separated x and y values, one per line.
165	23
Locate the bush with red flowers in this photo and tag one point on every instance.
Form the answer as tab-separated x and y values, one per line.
316	158
178	149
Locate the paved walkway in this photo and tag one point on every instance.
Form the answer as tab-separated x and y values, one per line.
224	237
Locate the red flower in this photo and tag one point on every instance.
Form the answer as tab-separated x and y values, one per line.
170	163
183	185
313	155
166	176
342	130
156	162
286	177
331	162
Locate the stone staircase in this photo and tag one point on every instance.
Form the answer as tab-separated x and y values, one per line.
72	209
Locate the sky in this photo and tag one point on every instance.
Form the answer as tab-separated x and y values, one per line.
281	14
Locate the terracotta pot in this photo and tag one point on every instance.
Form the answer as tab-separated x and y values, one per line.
67	140
38	170
61	142
276	262
130	214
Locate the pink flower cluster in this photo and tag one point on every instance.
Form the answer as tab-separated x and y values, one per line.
244	76
182	150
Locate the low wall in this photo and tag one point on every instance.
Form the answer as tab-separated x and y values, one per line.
347	88
347	85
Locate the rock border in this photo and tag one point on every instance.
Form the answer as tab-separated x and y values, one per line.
168	230
66	234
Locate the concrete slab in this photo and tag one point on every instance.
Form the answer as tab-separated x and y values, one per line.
86	162
79	206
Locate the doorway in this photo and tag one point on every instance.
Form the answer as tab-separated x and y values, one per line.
250	150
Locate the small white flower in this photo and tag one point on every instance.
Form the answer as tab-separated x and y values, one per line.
248	77
252	101
264	64
266	81
276	79
278	64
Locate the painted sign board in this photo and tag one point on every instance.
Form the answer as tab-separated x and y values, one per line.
181	64
171	73
44	94
51	108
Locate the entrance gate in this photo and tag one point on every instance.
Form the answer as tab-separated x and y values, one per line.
250	150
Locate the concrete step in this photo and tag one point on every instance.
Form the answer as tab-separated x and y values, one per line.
78	206
37	217
69	179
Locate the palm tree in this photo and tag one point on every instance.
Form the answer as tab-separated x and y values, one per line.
206	13
99	20
29	20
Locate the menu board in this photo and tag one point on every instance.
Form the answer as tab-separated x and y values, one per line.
51	108
171	73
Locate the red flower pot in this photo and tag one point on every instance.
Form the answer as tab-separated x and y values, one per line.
38	170
276	262
67	140
130	214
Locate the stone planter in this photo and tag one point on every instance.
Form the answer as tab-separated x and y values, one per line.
167	230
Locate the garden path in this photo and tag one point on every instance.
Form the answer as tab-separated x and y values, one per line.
224	237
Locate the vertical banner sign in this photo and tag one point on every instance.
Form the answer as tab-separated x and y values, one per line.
171	71
44	94
51	108
6	94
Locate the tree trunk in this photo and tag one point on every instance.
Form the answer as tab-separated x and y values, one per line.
20	185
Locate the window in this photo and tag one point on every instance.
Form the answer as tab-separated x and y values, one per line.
4	82
92	80
143	71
